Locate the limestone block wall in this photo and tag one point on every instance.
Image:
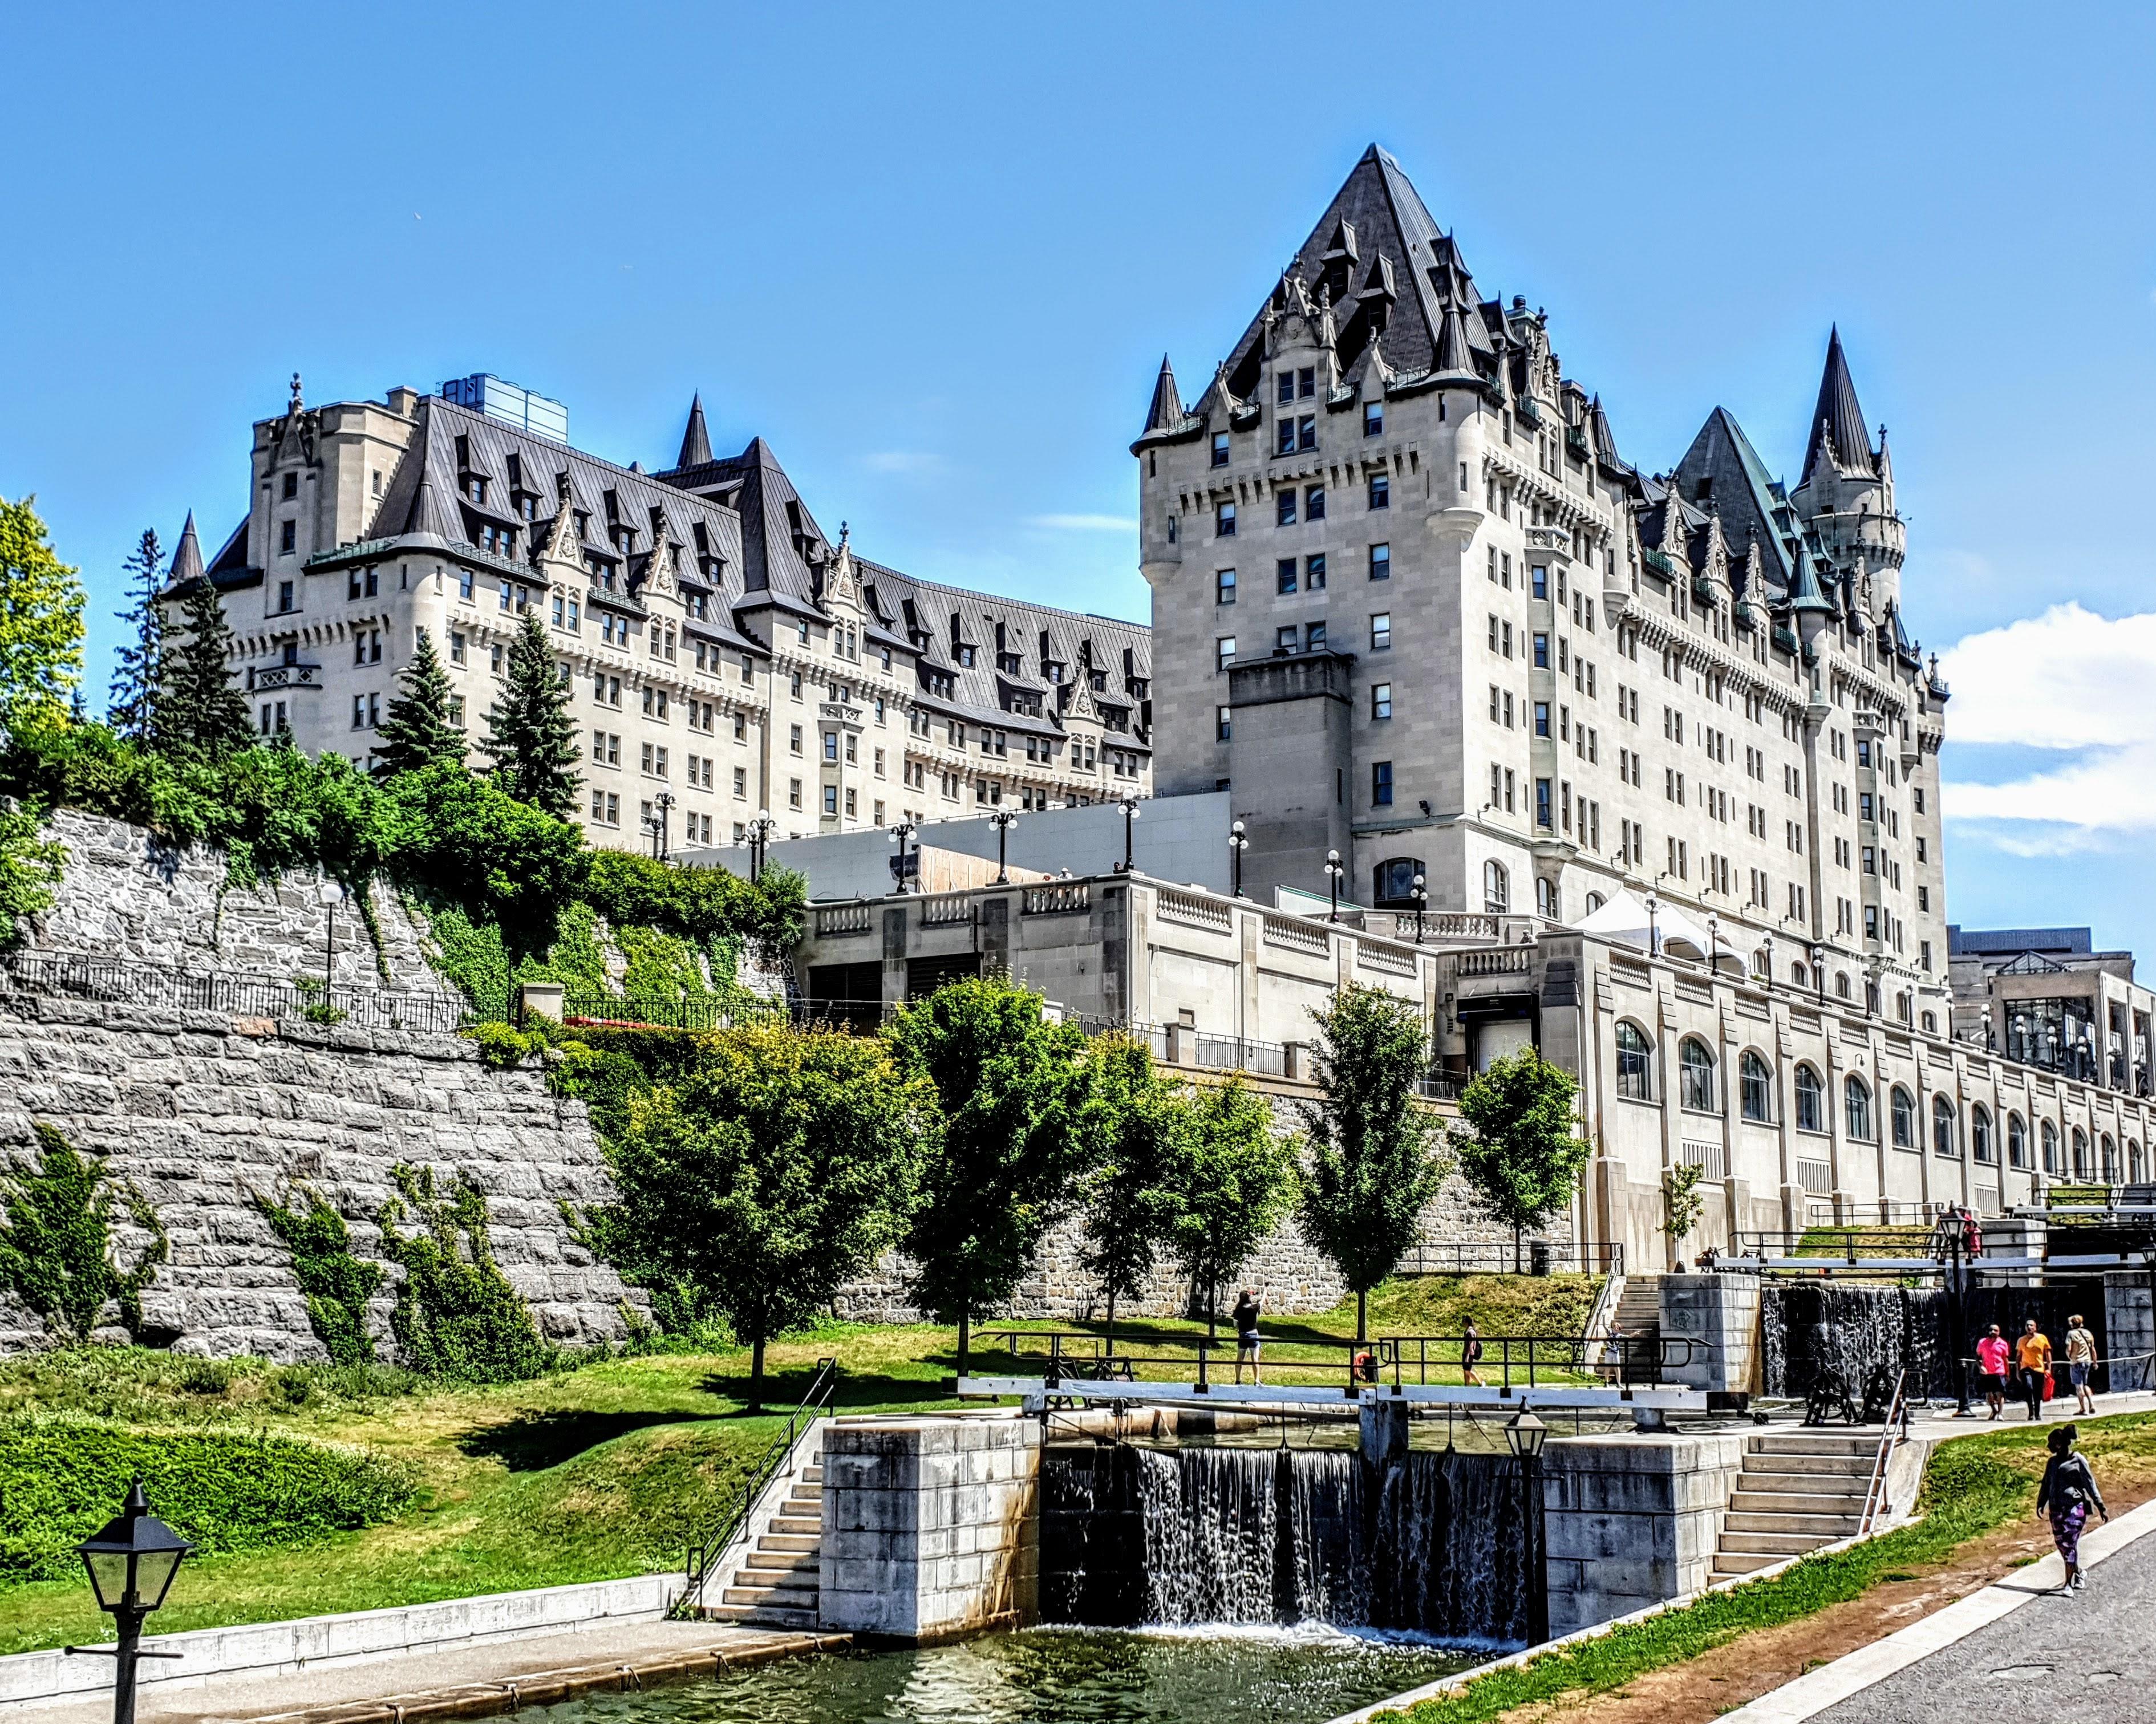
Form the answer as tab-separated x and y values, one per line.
1723	1313
932	1527
203	1111
1632	1520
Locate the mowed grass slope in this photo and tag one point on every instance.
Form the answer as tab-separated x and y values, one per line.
606	1470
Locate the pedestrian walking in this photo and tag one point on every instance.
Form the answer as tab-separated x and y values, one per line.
2032	1353
1248	1341
1470	1352
2081	1362
1991	1356
2069	1492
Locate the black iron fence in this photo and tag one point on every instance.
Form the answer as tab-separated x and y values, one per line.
1532	1257
157	987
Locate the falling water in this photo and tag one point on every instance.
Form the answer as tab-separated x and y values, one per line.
1203	1535
1850	1338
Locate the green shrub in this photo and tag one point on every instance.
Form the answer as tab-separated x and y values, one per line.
502	1047
56	1251
61	1479
337	1285
456	1314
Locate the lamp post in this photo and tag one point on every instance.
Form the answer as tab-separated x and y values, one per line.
1525	1435
1002	820
654	823
1333	875
1714	942
330	893
1421	898
899	834
1237	844
1654	927
1767	945
1129	804
1819	971
759	842
131	1563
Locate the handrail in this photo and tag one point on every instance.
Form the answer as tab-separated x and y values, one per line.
1875	1491
704	1556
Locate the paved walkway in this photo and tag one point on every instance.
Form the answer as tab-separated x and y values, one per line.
474	1681
2019	1650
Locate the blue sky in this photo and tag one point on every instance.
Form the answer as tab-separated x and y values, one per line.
933	255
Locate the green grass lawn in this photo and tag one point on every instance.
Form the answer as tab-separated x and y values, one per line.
607	1471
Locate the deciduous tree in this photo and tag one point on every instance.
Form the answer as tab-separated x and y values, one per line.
1377	1157
40	617
1521	1154
1236	1182
1140	1130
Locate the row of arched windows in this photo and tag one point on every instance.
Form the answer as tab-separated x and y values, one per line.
1699	1091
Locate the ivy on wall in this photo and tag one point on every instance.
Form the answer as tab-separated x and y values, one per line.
456	1316
337	1285
58	1256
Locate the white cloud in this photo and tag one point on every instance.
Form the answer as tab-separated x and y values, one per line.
2069	681
1085	523
900	460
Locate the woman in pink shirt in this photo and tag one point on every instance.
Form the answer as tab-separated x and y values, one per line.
1991	1361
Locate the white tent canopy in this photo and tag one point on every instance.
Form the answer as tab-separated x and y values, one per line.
1625	918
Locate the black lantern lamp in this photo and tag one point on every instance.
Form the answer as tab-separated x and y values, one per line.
1238	842
131	1563
1525	1435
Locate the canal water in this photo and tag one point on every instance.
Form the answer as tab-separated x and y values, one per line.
1216	1676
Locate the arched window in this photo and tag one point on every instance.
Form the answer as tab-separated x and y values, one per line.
1395	882
1981	1148
1548	904
2135	1172
1762	967
1759	1086
2081	1153
1946	1140
2051	1147
1595	900
1931	1023
1841	984
1636	1063
1857	1094
1798	976
2110	1162
1497	889
1905	1119
1696	1071
2017	1142
1811	1104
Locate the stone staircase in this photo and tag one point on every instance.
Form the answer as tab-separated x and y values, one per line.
776	1582
1797	1491
1640	1313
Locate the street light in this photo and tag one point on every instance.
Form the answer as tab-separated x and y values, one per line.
759	842
1654	927
1767	945
899	834
1421	898
1525	1435
131	1563
330	893
1002	820
1334	874
1237	844
655	823
1714	942
1819	971
1129	804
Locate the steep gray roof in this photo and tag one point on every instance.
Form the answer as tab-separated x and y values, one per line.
1838	416
188	558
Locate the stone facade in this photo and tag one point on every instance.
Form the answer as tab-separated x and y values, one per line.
203	1112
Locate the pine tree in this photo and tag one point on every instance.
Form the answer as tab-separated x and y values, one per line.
134	684
417	730
200	715
531	737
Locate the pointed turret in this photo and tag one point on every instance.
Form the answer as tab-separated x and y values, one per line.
1166	413
429	516
187	557
696	441
1836	418
1805	593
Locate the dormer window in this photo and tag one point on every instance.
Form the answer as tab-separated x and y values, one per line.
474	488
966	657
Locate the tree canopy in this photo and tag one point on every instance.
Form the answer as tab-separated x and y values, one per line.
200	715
417	730
1236	1182
1521	1154
532	740
1140	1132
41	628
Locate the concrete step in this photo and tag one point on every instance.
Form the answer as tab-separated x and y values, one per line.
779	1597
1834	1472
1766	1539
1850	1485
1856	1444
1748	1501
1743	1562
797	1504
766	1564
810	1541
813	1473
810	1524
1820	1527
766	1616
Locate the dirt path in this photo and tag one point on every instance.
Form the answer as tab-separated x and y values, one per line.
1754	1664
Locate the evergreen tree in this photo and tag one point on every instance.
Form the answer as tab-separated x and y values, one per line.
199	716
1375	1153
417	730
1524	1157
40	618
531	737
142	658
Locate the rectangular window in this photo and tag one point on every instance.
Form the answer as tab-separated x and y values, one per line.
1381	562
1224	652
1285	395
1542	652
1381	699
1283	436
830	798
1313	573
1313	505
1220	722
1373	418
1542	802
741	782
1541	721
1224	520
794	792
1220	449
1381	783
1381	632
1381	491
1285	574
1285	639
1284	508
1305	432
1315	641
1306	382
1538	581
1223	586
288	538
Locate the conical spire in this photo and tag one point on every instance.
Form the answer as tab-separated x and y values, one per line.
1804	591
1837	417
187	558
427	515
1454	355
696	441
1166	413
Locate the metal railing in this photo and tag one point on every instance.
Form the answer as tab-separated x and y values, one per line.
703	1556
1897	1432
113	982
1535	1257
1844	1245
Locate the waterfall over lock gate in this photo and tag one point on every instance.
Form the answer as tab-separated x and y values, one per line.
1435	1545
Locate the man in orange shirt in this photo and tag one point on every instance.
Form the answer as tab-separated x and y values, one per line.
2033	1353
